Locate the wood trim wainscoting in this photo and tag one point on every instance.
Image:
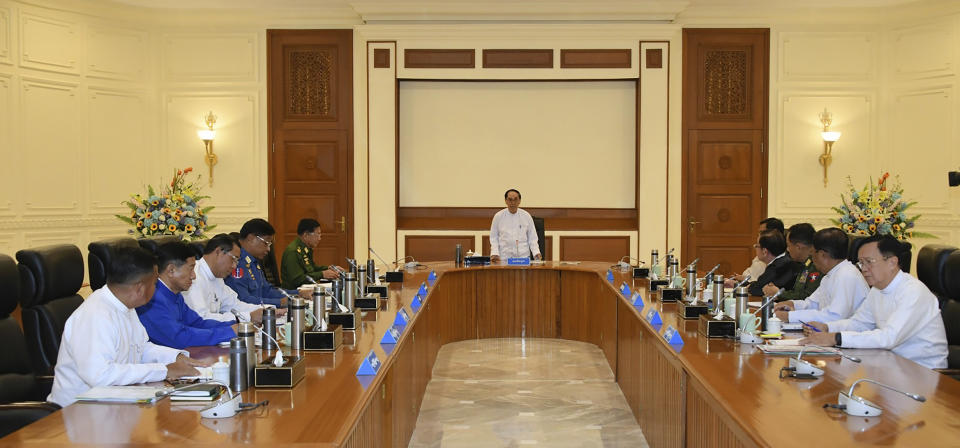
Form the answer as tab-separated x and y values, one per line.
478	218
594	248
439	58
426	248
588	58
517	58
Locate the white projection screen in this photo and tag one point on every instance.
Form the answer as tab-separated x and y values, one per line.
563	144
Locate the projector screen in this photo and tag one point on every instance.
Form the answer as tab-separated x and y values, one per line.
562	144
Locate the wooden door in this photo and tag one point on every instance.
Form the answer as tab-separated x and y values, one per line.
310	97
725	97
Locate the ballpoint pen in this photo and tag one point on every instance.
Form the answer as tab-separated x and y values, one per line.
810	326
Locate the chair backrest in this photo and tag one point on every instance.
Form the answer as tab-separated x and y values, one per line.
270	269
99	254
538	226
931	262
50	277
151	244
17	382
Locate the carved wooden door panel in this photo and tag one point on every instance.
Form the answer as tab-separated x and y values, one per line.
725	97
310	97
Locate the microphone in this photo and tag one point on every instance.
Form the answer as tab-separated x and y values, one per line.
352	262
279	357
861	407
625	264
375	254
692	263
710	272
768	303
746	279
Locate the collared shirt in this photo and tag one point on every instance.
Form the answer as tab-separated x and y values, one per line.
210	297
807	281
297	263
169	321
104	344
756	268
251	284
781	271
840	294
903	317
513	234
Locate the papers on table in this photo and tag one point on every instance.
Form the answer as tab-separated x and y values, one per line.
206	373
121	394
793	347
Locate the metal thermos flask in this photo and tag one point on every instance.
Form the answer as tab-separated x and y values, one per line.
337	293
742	297
458	256
361	279
238	365
371	272
691	284
353	267
716	290
654	258
349	291
298	309
319	305
270	328
674	265
248	332
767	312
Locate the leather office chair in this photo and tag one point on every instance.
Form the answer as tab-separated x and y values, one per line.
271	270
855	241
950	312
17	381
151	244
14	416
99	254
931	262
50	277
538	226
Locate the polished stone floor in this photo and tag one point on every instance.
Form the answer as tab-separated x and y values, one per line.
513	392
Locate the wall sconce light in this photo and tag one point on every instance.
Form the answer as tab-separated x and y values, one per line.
207	135
829	137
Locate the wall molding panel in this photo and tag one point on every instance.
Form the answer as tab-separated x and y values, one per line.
5	25
924	51
116	125
215	57
828	56
928	136
114	53
7	126
49	44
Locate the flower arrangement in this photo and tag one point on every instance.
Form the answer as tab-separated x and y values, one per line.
175	210
877	209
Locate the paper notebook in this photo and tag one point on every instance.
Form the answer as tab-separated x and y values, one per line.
121	394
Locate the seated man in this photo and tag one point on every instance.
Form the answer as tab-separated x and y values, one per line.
167	318
297	261
899	314
209	296
843	288
512	233
104	343
757	266
248	280
800	248
771	249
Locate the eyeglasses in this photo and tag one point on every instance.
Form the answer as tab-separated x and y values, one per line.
869	262
268	243
236	259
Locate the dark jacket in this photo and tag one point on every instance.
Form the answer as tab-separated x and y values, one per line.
782	272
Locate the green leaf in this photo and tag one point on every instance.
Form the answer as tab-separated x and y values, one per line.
130	205
206	210
209	228
126	219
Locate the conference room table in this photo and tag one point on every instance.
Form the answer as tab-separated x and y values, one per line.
701	393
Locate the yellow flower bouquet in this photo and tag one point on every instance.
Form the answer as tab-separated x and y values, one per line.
878	208
174	210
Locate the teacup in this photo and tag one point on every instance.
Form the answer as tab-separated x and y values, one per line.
774	325
678	281
749	323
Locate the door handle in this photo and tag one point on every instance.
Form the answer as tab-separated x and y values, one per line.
343	223
693	224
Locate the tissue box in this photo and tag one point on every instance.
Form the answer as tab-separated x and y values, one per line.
393	276
349	320
655	285
329	340
371	301
641	272
380	290
670	294
688	310
289	374
712	328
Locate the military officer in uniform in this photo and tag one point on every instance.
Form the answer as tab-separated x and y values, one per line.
248	280
297	261
800	247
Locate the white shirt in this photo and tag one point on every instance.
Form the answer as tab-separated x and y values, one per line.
904	318
104	344
840	293
211	298
513	234
756	269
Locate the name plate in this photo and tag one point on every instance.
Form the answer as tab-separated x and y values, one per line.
518	261
391	336
625	289
423	290
416	304
370	366
653	317
401	319
637	300
609	276
672	336
432	277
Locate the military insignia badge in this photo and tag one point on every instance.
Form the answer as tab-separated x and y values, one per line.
812	277
238	273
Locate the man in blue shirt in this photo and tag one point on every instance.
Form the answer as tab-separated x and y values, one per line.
248	280
167	318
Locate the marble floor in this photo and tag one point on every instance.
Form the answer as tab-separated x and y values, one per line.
518	392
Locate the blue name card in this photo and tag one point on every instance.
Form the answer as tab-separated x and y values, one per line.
432	277
518	261
370	366
625	289
609	276
672	336
637	300
401	319
653	317
416	304
423	290
391	336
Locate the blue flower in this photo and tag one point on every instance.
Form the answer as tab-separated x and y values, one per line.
190	221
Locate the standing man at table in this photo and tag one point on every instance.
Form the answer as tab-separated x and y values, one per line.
248	279
899	314
512	233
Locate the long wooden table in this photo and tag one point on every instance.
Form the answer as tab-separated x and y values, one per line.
703	393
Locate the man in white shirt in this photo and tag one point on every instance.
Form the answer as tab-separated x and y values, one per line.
104	343
512	233
899	314
209	296
757	266
841	290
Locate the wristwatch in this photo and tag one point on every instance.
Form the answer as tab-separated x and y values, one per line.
838	341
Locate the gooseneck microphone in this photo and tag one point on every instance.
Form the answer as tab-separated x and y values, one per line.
240	317
710	272
916	397
768	303
746	279
375	254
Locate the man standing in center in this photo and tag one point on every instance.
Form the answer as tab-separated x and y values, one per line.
512	233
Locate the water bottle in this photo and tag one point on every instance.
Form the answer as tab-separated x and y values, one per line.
361	278
238	365
349	291
248	332
270	328
458	256
319	306
298	308
371	272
